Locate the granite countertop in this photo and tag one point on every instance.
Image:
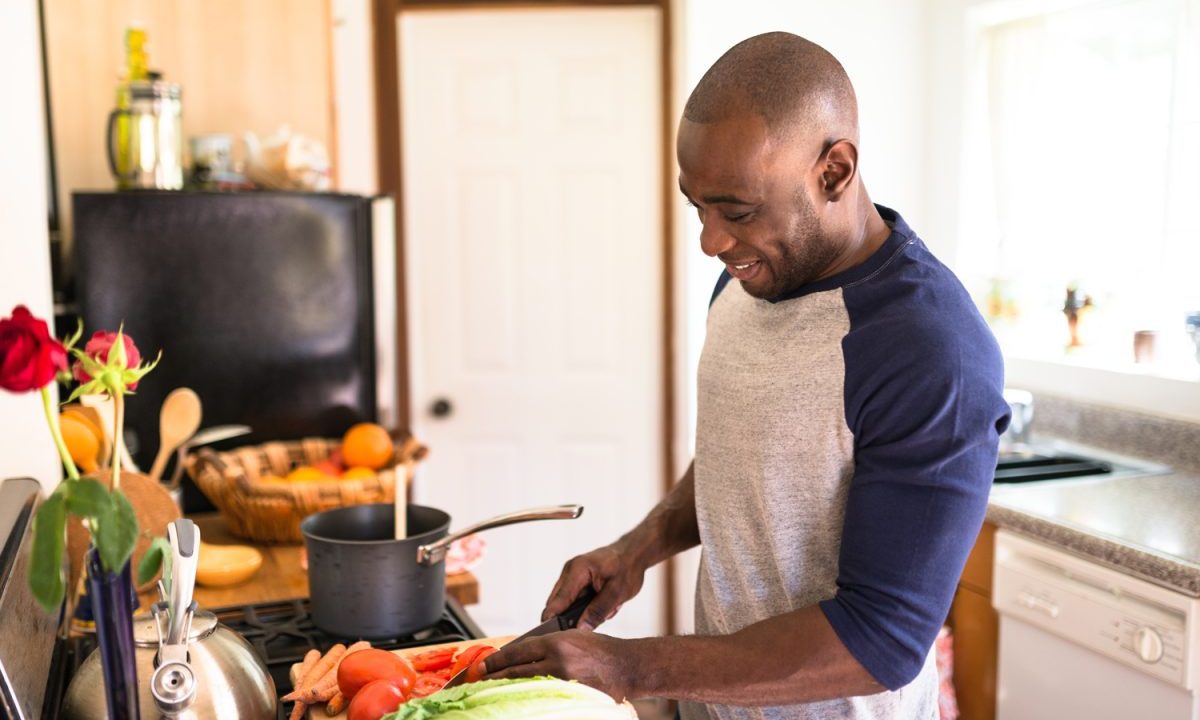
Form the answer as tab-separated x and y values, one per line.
1145	525
1145	522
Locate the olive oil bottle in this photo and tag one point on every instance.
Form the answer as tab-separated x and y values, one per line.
136	70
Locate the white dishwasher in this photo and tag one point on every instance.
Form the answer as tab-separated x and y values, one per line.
1078	640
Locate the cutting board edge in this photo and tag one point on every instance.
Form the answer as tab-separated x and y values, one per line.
316	712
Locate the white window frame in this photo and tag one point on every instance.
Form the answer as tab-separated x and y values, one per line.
1141	390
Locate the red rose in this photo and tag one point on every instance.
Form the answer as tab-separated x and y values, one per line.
97	348
29	357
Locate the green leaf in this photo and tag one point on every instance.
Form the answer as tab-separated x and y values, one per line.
88	498
158	554
91	387
69	343
116	353
117	534
46	564
89	363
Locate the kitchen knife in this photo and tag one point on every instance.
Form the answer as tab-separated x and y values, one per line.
566	620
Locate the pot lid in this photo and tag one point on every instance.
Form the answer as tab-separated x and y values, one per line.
146	635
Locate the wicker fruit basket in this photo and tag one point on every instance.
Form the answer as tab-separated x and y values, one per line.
271	511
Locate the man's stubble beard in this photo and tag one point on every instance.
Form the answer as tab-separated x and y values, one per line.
805	255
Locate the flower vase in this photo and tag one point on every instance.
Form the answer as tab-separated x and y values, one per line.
113	602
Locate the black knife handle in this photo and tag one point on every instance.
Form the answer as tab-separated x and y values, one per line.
569	618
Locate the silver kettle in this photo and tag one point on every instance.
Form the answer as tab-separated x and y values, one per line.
188	665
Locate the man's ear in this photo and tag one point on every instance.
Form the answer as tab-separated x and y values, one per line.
838	166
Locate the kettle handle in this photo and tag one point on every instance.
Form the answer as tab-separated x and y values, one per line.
184	537
112	150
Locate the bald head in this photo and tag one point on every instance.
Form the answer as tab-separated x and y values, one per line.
794	85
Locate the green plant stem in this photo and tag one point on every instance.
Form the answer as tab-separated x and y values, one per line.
118	398
56	433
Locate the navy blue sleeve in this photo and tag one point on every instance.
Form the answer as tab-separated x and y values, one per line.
924	383
721	283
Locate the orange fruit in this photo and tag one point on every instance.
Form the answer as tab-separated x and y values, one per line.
367	445
306	473
80	441
358	473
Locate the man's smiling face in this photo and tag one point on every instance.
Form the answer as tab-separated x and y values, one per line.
751	191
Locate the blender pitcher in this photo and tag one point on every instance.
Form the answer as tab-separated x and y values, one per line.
145	137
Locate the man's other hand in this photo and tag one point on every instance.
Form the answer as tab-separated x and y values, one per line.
611	573
593	659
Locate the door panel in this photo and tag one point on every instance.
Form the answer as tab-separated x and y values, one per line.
532	195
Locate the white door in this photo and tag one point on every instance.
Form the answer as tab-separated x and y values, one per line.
532	201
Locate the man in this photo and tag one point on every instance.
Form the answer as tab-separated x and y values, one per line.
849	414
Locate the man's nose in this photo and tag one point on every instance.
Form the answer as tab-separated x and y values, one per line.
714	240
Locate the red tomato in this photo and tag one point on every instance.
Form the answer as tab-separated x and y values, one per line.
470	656
433	660
427	684
473	674
366	666
375	700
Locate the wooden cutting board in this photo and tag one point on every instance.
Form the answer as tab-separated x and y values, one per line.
317	712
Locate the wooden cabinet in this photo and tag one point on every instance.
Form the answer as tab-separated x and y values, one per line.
976	632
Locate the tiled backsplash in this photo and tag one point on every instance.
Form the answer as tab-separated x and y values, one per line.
1171	442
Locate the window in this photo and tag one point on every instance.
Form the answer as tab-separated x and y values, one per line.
1082	170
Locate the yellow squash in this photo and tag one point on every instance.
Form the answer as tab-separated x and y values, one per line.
221	565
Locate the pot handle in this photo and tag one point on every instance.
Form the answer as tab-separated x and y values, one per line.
435	552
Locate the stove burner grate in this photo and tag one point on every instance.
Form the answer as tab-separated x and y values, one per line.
280	632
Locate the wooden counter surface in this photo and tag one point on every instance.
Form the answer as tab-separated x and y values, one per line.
281	576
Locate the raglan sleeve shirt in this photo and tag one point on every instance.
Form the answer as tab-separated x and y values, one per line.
923	397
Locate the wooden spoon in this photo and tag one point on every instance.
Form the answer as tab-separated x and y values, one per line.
177	423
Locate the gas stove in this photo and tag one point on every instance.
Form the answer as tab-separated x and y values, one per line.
281	632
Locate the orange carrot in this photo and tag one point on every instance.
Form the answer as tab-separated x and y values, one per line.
316	672
323	691
337	703
310	659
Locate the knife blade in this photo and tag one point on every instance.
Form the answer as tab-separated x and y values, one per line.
565	620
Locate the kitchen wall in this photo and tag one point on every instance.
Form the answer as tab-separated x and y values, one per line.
354	96
883	46
25	446
243	66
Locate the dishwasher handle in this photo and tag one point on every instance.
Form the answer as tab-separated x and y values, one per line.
1033	602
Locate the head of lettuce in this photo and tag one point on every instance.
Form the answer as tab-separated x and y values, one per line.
538	698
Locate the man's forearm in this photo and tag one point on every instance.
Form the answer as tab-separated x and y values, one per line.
670	527
792	658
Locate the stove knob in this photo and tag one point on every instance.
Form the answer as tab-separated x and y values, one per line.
1148	644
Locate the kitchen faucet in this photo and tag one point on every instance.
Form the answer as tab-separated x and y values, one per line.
1020	427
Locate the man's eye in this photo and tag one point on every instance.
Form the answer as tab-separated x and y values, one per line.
743	217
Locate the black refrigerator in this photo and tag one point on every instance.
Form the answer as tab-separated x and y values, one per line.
277	308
